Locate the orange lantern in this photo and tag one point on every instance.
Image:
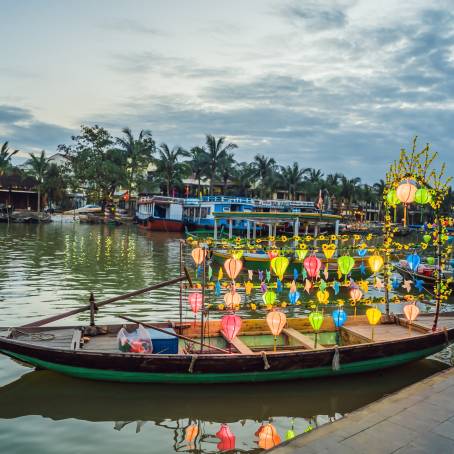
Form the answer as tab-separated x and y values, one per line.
276	321
268	437
406	192
198	254
232	300
191	433
233	267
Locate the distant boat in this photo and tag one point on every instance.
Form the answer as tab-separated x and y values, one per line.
161	214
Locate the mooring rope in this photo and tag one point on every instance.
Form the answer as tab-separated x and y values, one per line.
265	361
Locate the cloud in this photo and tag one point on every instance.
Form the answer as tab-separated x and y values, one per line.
127	25
23	131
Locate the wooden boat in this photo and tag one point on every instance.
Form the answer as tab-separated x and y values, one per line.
424	273
92	352
160	214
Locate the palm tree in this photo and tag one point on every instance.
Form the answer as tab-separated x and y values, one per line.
349	189
313	181
5	158
243	177
38	166
199	165
379	189
226	169
292	178
216	151
168	166
138	154
264	168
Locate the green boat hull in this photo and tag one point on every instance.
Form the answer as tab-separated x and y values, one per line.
208	378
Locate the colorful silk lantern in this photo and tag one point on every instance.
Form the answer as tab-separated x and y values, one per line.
406	192
279	266
233	267
268	437
230	326
411	312
345	264
322	296
373	316
375	263
301	253
426	238
413	261
232	299
316	320
269	297
339	317
430	260
423	196
392	198
198	254
312	265
195	301
227	438
276	321
356	294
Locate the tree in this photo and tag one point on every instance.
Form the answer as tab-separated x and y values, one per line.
5	158
242	178
199	165
98	167
292	178
349	189
226	169
168	167
216	150
264	169
138	154
313	182
379	189
38	166
55	184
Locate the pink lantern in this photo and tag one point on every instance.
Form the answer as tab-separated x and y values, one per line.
227	438
195	301
230	325
233	267
312	264
232	299
406	192
356	294
411	311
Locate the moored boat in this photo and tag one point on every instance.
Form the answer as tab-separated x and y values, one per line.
161	214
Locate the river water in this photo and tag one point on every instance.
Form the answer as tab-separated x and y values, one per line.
48	269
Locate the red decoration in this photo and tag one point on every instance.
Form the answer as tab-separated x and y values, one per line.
231	325
272	254
312	264
227	438
195	301
126	196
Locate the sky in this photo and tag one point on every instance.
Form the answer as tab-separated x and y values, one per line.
336	85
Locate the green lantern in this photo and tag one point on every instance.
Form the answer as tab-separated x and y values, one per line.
430	260
316	320
269	297
346	264
426	238
392	198
423	196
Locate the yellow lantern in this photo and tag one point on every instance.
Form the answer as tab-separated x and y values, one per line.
323	296
232	300
406	192
233	267
375	263
373	316
198	254
276	321
328	250
279	265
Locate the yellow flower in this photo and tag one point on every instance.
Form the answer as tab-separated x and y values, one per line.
284	238
221	307
253	306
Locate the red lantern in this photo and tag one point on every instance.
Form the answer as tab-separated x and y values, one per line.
195	301
231	325
233	267
312	264
227	438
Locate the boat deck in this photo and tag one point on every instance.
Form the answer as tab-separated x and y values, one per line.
384	332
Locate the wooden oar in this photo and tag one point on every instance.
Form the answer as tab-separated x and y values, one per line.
180	336
54	318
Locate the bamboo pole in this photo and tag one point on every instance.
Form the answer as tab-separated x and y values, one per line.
180	336
87	307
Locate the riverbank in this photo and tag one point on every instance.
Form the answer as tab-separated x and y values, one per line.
418	418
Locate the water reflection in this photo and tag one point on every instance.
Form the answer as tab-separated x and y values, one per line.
296	406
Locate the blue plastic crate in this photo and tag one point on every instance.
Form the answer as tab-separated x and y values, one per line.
163	343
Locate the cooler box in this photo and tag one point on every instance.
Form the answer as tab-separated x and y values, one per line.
162	342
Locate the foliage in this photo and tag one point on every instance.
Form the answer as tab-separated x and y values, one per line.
5	158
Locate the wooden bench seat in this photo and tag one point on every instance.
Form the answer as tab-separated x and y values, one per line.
239	345
302	339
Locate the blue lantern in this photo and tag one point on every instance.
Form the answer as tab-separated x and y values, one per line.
413	261
293	297
339	317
